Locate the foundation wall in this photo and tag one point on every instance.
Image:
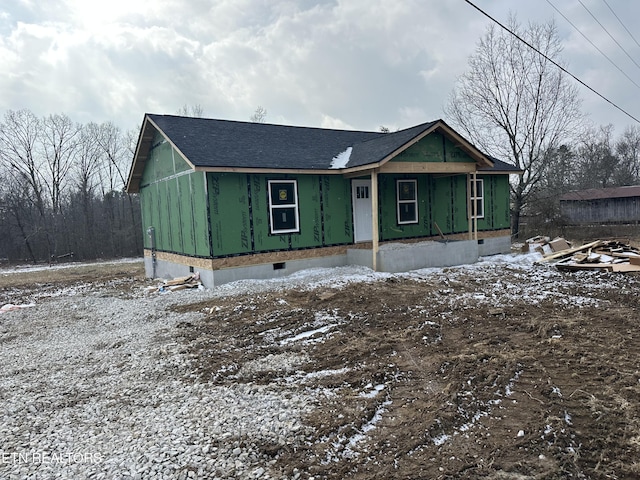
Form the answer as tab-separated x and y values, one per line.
392	257
431	254
494	246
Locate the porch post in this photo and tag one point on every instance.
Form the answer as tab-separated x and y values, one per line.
374	217
469	206
475	205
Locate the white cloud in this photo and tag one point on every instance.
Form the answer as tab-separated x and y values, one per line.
340	64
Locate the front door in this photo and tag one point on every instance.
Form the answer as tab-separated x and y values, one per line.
362	214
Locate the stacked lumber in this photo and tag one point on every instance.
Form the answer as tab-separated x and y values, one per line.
179	283
603	255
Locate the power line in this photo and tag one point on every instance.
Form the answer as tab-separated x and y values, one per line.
594	45
552	61
608	33
623	25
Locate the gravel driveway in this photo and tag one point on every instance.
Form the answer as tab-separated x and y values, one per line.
93	385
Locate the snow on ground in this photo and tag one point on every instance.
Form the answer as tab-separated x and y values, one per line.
26	268
94	386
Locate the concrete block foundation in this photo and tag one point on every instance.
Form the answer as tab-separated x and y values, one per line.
392	258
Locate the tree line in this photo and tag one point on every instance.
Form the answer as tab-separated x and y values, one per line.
62	190
516	102
597	160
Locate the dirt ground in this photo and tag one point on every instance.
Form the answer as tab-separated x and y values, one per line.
508	392
458	375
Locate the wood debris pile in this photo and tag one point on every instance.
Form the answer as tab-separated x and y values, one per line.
179	283
603	255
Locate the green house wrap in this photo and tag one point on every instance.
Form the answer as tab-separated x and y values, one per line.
220	194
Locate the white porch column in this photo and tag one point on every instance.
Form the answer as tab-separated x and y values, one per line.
474	176
469	207
374	218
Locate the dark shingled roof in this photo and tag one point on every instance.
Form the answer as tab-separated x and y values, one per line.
223	143
602	193
212	144
381	146
499	166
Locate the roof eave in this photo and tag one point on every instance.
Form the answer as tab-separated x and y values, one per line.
142	153
139	157
501	172
272	170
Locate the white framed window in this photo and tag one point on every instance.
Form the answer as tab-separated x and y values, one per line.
283	206
477	198
407	201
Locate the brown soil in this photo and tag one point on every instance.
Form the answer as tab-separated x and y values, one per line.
509	392
509	389
22	287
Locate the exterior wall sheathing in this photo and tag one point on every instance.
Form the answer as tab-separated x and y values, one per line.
214	222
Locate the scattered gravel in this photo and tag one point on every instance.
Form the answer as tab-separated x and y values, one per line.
93	386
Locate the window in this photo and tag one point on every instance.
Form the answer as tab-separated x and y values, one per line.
362	191
407	195
283	206
477	198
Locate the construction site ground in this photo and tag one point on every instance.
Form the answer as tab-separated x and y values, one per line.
499	370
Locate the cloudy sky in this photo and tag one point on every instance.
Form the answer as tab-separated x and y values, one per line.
340	64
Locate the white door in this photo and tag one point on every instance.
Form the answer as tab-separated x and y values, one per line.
362	214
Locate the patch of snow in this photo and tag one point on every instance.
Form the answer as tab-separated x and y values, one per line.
477	416
441	439
373	392
367	427
341	160
10	306
508	390
307	334
62	266
326	373
567	418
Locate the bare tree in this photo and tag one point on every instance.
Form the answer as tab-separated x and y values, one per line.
191	110
61	189
559	177
516	105
260	115
597	163
628	151
88	160
114	150
59	141
19	137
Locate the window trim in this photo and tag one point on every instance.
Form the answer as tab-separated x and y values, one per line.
294	205
475	198
402	202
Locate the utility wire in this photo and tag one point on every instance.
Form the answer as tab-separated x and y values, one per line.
608	33
594	45
552	61
623	25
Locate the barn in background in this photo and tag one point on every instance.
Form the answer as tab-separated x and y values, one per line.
601	206
236	200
